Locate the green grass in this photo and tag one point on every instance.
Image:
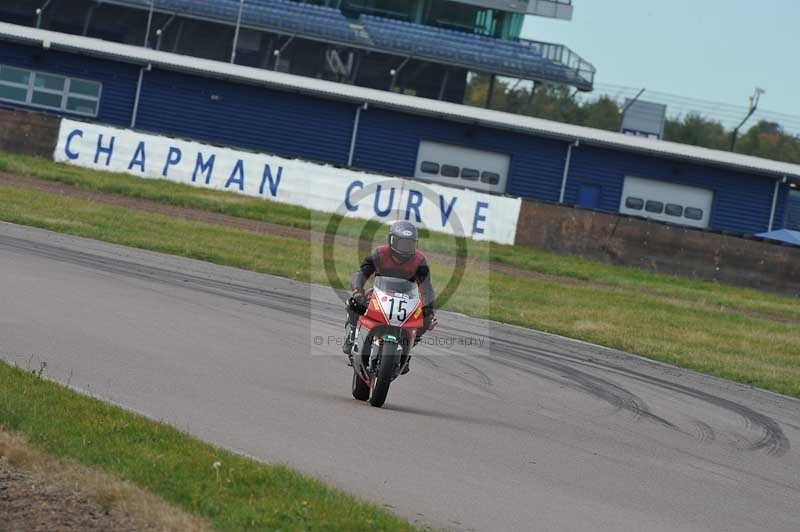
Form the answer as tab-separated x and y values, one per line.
239	495
688	326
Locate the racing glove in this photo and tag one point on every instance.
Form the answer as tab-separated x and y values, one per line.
428	319
359	296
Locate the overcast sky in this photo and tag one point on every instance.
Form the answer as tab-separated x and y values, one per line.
712	49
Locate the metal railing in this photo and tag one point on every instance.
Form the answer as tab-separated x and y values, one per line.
558	53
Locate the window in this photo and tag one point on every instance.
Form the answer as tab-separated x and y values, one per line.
14	94
450	171
429	167
15	75
470	174
49	91
654	206
673	210
490	178
49	82
634	203
693	214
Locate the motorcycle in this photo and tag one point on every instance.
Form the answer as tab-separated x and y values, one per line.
384	336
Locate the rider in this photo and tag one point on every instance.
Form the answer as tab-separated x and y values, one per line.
399	258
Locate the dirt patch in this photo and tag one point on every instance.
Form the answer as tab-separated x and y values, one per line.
30	502
256	226
41	494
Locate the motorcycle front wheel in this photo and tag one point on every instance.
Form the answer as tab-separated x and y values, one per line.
383	378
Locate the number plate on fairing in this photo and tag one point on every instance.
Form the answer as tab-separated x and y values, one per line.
396	307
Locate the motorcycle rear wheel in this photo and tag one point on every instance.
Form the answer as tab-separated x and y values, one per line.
381	381
360	388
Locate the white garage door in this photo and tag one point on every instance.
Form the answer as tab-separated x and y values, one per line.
462	167
678	204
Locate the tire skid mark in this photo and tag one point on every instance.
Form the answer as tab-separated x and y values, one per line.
611	393
705	433
289	303
773	440
483	386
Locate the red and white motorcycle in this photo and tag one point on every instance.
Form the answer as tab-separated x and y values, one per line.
384	336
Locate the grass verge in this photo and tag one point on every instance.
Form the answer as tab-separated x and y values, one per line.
677	329
237	495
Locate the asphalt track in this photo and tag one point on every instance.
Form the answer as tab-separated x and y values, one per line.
525	432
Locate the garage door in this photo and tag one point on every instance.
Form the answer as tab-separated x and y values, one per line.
462	167
677	204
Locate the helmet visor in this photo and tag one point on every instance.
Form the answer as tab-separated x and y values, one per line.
403	245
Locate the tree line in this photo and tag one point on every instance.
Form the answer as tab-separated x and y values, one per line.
559	103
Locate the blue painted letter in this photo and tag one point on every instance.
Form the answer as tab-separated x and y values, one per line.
238	169
446	211
108	150
173	158
138	157
414	203
204	167
273	185
72	154
355	184
383	213
479	217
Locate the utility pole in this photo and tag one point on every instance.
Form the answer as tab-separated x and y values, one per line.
753	106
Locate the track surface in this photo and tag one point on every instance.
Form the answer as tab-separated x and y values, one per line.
526	432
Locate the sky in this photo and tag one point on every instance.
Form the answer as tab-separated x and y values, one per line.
717	50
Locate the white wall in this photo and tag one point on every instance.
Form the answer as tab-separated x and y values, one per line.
319	187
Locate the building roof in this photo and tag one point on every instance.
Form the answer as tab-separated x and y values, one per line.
407	104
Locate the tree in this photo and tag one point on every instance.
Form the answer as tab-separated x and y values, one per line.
769	140
698	131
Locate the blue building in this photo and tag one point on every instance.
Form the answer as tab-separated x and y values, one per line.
383	132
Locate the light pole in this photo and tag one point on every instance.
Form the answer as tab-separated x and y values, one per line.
753	106
39	12
236	33
149	24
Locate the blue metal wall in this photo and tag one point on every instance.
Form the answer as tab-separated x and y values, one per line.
118	79
742	202
792	218
316	129
388	142
252	117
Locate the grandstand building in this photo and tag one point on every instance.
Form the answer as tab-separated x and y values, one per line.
422	47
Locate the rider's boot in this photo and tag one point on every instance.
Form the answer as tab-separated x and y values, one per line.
406	367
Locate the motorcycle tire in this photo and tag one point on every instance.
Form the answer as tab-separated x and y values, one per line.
381	382
360	388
